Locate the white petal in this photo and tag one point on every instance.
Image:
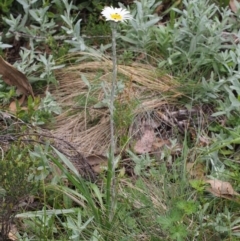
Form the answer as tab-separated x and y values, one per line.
124	14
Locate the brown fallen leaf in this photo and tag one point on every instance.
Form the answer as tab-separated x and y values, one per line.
14	77
195	170
97	162
9	231
160	143
13	105
12	233
145	143
220	188
204	140
233	6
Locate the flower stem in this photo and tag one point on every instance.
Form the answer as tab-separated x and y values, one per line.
112	160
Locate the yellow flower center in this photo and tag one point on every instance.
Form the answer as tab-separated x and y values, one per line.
116	16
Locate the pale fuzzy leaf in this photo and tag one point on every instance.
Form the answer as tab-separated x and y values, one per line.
4	46
41	213
85	80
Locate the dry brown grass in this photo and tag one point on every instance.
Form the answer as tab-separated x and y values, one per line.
88	127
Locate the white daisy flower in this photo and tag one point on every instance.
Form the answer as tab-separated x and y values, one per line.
116	14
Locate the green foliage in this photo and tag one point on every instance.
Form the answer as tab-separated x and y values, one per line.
6	93
173	221
123	117
141	163
89	99
59	50
199	185
94	6
14	185
196	38
75	225
5	5
39	111
97	32
139	32
223	3
200	51
87	192
126	57
223	223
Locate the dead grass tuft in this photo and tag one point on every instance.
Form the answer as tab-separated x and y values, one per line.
87	126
